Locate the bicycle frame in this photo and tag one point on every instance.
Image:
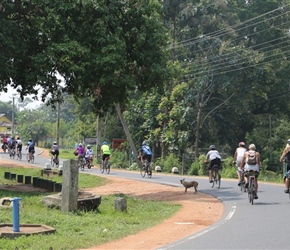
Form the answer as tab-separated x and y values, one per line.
106	165
146	169
251	187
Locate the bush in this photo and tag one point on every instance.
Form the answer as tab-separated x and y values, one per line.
228	169
119	159
170	162
198	167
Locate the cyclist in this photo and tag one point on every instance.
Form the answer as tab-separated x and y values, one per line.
247	166
105	151
238	156
286	157
54	150
213	158
12	146
19	144
30	148
4	142
145	153
89	154
80	151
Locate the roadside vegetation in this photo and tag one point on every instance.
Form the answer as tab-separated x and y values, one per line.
78	229
197	167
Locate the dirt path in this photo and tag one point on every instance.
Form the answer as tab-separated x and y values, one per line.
197	213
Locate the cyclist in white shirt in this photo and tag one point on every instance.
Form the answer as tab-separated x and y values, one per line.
89	154
19	144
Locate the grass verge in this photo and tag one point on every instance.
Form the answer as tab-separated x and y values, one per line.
77	230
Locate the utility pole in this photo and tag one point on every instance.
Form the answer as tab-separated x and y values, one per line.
127	132
13	115
58	123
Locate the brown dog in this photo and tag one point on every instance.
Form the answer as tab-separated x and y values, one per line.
189	184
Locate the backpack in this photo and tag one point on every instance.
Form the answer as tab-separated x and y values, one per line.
252	159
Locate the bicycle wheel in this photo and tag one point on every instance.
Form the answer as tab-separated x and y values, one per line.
108	168
143	171
19	155
149	171
82	165
32	159
27	157
102	167
52	162
211	184
251	192
218	180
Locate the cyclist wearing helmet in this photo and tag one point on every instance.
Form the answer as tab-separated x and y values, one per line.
213	158
238	156
19	144
145	152
12	145
80	151
105	151
286	157
30	148
249	164
89	154
55	151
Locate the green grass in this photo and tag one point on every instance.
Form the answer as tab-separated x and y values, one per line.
66	154
77	230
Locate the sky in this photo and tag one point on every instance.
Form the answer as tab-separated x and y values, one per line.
6	97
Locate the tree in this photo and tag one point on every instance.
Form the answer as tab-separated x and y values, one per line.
97	47
33	124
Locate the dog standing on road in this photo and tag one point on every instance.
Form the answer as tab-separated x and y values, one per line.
189	184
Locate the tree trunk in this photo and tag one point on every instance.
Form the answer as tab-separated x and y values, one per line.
129	138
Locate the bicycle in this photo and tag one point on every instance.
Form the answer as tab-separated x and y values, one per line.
216	177
54	161
81	163
19	154
106	165
251	186
31	154
12	153
5	148
146	169
287	174
88	161
243	183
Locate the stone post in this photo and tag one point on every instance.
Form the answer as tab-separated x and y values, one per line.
120	204
69	193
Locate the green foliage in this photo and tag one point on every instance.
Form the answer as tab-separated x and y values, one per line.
198	166
170	162
119	159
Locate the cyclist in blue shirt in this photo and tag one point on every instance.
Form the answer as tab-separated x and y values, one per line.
30	148
145	152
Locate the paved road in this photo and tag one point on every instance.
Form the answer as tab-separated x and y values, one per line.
242	226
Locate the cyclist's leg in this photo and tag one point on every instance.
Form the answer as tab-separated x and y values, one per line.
210	174
246	176
256	185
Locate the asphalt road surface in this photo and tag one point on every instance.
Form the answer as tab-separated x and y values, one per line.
263	225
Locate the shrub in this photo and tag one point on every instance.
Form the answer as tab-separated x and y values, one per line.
119	159
170	162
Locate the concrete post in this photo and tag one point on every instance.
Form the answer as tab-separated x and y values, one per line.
69	193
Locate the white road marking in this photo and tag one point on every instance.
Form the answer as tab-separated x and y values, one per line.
229	216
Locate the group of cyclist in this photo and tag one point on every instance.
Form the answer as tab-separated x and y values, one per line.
88	153
15	145
241	157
